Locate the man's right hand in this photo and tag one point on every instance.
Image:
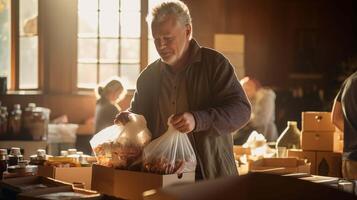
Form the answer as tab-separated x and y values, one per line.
122	118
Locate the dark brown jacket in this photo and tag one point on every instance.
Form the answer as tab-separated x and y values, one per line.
216	100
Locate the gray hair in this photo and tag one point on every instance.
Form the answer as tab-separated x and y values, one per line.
172	7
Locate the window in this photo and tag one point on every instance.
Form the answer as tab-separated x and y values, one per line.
21	71
109	33
152	53
5	38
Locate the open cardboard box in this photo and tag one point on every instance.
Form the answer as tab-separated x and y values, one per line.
131	184
81	175
60	192
280	165
12	187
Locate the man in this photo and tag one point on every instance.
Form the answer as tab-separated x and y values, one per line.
197	85
263	112
344	116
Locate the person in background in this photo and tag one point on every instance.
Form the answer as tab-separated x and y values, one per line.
196	85
263	112
109	94
344	116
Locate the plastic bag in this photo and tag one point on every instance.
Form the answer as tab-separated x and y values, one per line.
62	133
119	146
169	154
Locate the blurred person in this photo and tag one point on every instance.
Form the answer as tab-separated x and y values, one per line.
344	116
262	117
195	84
109	94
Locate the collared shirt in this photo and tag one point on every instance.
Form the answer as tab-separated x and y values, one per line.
172	97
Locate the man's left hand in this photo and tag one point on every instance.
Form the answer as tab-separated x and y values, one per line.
183	122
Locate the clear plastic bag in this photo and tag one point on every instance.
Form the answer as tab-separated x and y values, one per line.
119	146
171	153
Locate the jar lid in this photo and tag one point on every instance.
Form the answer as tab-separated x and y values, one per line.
15	151
72	151
64	153
3	151
41	152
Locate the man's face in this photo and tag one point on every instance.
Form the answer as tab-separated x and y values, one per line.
171	39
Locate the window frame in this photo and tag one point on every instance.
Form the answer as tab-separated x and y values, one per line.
143	40
15	47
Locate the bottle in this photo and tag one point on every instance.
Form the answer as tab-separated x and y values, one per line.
27	118
15	121
289	139
15	156
3	121
3	162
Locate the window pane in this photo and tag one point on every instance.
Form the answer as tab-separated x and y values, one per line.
130	5
88	24
109	49
109	5
129	74
28	17
87	75
108	70
5	44
90	5
130	51
87	50
130	24
109	24
153	55
28	62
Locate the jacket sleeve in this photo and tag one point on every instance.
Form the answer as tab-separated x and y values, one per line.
230	109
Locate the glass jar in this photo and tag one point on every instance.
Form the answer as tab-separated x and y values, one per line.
27	118
39	158
3	162
3	120
15	156
64	153
289	139
14	127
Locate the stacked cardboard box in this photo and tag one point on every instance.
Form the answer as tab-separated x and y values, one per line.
321	144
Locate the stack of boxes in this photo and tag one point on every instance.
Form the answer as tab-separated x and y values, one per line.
321	144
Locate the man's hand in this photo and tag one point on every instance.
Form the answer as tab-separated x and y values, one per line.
122	118
183	122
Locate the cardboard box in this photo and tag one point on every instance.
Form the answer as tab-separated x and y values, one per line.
320	141
10	188
70	174
317	121
239	150
310	156
330	167
130	184
280	166
50	193
329	164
